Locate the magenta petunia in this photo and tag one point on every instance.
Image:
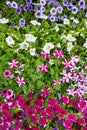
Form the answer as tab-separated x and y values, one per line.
7	73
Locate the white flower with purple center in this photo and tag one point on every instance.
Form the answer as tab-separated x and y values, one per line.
43	9
14	4
9	3
74	10
42	2
22	22
52	18
65	2
53	11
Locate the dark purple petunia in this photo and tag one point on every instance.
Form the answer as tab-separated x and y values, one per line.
30	7
81	4
22	22
26	7
28	1
69	7
18	10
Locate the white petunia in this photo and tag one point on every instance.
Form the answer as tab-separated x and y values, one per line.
48	47
56	28
10	41
66	21
69	46
30	38
24	45
70	38
85	44
58	45
35	22
44	16
4	20
51	62
76	21
33	51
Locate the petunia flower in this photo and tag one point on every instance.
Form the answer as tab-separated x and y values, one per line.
20	81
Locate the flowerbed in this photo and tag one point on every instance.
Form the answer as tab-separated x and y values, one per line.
43	65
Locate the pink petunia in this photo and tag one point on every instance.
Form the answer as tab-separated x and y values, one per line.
45	55
65	99
67	64
58	53
13	63
20	81
7	73
55	82
43	68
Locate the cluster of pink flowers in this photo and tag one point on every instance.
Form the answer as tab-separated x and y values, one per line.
15	110
7	73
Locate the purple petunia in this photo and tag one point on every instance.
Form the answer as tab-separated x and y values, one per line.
42	2
53	11
69	7
38	14
65	2
43	9
52	18
22	22
28	1
74	10
59	9
57	4
81	4
26	7
18	10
